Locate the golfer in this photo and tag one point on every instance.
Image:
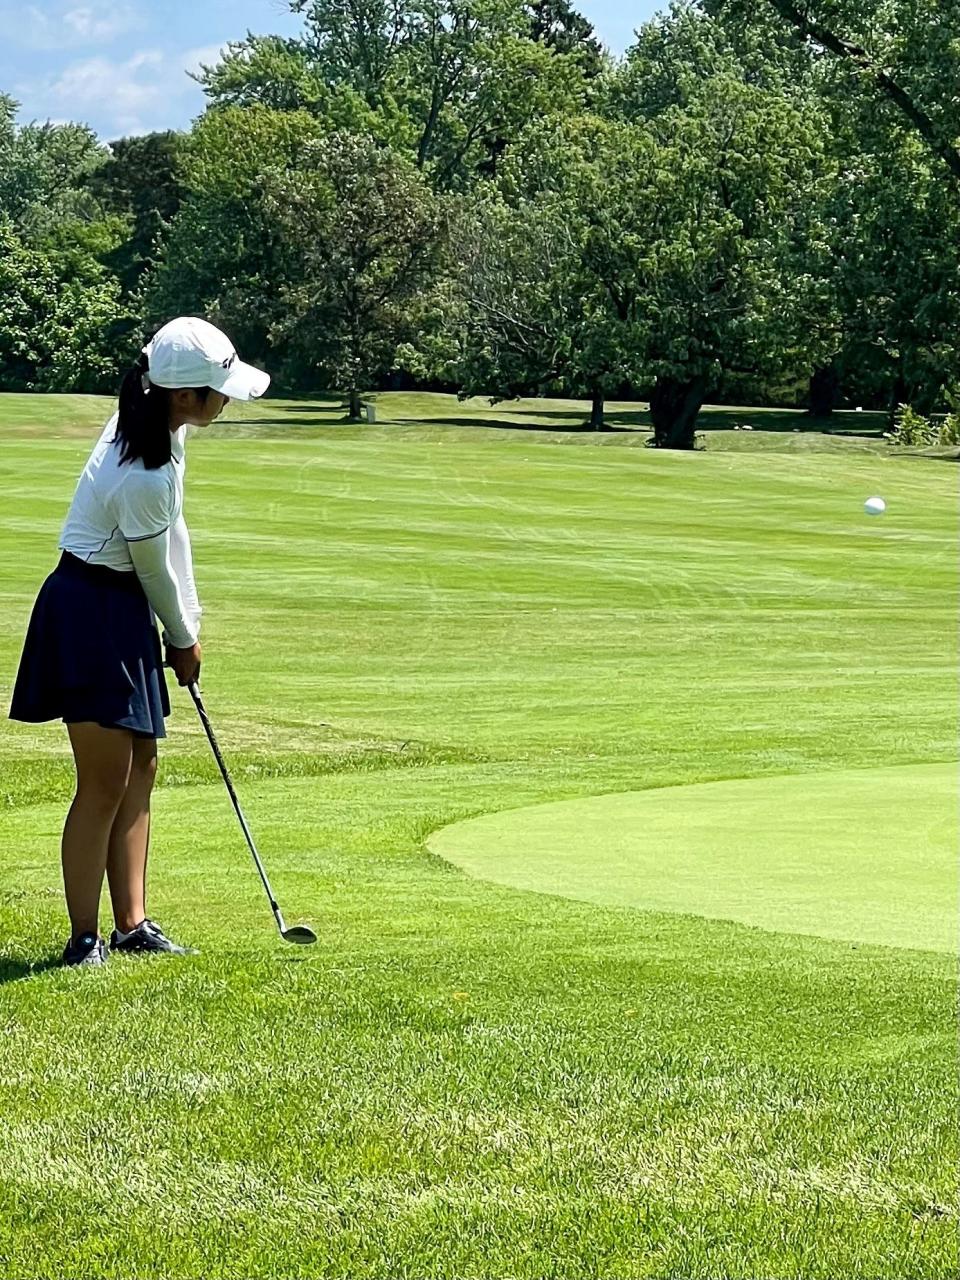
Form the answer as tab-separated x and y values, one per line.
92	655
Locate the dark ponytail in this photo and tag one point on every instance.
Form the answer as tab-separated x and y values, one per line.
143	424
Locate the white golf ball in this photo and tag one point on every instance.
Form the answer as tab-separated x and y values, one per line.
875	506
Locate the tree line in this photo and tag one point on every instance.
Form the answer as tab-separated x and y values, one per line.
759	202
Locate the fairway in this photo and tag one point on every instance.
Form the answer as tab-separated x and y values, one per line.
557	660
862	856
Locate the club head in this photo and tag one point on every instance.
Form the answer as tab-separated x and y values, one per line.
299	934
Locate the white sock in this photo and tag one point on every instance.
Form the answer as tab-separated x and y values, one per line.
122	937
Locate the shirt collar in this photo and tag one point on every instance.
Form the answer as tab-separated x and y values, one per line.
177	443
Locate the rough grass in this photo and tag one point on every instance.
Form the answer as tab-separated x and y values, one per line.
420	622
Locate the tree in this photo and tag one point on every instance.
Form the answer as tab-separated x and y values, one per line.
913	59
897	237
223	256
266	71
744	270
543	286
680	49
139	180
55	334
564	29
522	322
684	248
675	55
885	73
61	316
43	170
366	237
444	81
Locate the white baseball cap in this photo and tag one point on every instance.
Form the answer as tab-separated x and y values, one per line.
190	352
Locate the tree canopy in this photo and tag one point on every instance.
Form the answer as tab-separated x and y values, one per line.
758	199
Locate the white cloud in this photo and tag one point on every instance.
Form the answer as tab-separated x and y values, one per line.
65	24
120	96
135	95
97	82
148	58
96	27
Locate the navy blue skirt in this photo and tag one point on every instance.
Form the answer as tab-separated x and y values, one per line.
92	653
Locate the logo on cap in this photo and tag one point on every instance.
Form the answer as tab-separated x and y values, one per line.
228	363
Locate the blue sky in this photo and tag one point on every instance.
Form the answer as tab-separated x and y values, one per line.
120	65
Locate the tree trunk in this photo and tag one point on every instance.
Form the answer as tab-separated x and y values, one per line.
898	396
355	413
596	411
675	407
426	138
824	385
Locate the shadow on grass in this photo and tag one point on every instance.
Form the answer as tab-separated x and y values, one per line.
16	970
331	413
544	423
317	402
723	418
287	422
712	419
929	457
635	417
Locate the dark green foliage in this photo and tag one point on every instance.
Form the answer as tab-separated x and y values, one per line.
559	26
443	81
62	318
664	252
365	238
59	329
791	233
43	172
141	181
894	215
224	257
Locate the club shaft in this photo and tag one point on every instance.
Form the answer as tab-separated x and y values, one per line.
205	720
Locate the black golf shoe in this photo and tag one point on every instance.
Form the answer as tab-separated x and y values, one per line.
87	949
148	937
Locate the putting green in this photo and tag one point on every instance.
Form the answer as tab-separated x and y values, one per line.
866	855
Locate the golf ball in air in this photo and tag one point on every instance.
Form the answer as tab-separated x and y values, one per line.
875	506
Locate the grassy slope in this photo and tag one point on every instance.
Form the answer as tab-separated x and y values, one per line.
409	625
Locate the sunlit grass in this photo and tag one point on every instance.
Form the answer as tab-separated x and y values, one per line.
418	622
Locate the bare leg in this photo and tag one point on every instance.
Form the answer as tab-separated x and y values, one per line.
103	759
130	839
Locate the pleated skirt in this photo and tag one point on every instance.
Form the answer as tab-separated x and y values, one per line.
92	653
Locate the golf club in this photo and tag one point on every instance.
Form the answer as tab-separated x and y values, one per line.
299	933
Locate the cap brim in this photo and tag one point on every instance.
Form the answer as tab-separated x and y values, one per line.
243	382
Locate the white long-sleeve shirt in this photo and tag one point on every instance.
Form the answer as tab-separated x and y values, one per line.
164	566
131	519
